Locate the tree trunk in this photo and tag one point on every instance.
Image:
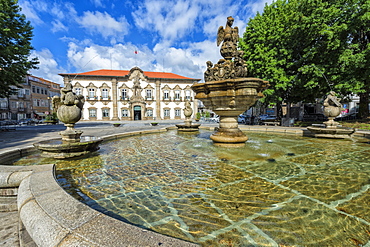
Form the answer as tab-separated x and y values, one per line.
279	111
363	110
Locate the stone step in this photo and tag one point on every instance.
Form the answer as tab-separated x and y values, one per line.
8	203
8	192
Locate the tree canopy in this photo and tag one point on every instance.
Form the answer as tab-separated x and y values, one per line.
306	48
15	47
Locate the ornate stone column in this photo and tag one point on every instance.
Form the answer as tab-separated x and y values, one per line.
114	100
158	99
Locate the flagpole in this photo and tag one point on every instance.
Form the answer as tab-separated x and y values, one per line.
135	58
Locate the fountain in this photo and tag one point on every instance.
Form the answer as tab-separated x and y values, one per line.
226	90
188	126
69	107
277	190
331	128
274	191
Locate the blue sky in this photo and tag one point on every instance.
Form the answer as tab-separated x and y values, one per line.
170	36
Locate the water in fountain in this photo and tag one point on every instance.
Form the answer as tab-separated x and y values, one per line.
276	190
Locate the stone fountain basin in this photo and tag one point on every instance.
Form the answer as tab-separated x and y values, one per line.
59	149
339	132
216	95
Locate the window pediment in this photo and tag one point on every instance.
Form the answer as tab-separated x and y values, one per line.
77	84
123	86
149	87
105	85
91	85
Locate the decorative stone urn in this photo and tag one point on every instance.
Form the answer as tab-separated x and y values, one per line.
226	90
332	109
187	126
69	107
69	112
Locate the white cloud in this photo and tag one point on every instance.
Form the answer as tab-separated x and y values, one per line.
189	61
97	3
103	24
119	56
30	10
58	26
258	5
48	66
172	19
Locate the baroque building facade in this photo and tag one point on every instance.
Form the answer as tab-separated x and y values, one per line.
112	95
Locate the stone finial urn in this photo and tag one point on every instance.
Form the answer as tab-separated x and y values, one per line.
188	126
68	108
332	109
226	90
69	112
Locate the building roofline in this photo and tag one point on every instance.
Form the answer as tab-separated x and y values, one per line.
125	73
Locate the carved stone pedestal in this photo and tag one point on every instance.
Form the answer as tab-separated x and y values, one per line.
70	134
228	133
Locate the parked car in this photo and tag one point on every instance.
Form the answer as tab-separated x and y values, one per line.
266	118
314	117
348	116
215	119
242	119
27	121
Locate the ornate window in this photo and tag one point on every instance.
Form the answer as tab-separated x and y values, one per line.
104	93
105	112
177	95
78	91
166	94
125	113
149	113
167	113
187	94
177	113
124	89
91	93
78	88
148	94
124	95
92	113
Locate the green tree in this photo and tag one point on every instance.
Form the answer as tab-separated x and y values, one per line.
15	47
354	59
306	48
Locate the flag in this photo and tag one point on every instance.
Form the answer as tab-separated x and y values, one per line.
136	52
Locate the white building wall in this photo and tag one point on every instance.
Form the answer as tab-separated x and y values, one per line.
99	105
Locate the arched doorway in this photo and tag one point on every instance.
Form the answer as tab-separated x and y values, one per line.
137	112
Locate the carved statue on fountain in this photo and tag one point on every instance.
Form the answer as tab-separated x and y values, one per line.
226	90
68	107
188	126
332	109
229	37
69	112
187	110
